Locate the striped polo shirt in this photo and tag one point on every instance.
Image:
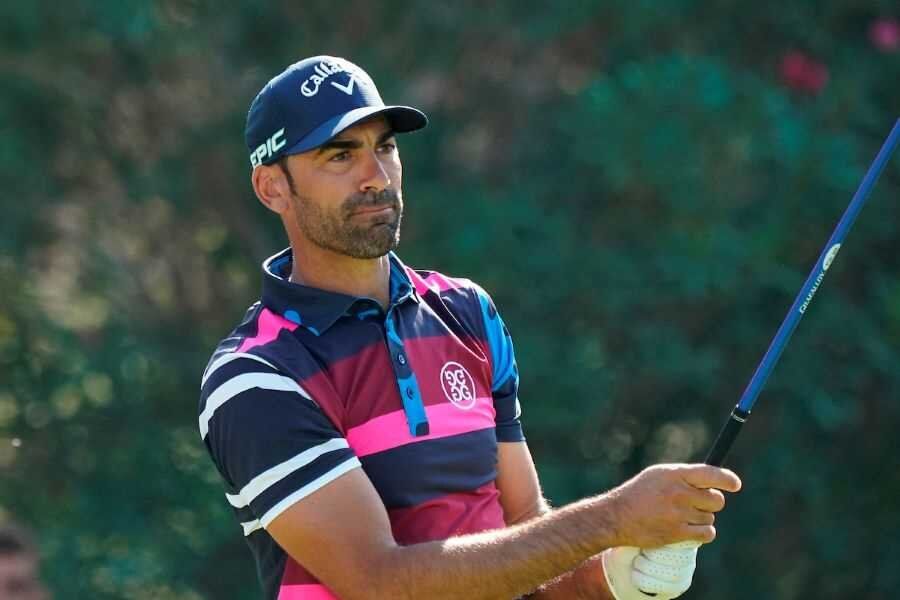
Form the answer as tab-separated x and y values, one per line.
312	384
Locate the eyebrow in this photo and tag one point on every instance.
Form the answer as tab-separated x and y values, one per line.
352	144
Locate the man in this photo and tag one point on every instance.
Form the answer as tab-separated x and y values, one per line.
364	415
19	579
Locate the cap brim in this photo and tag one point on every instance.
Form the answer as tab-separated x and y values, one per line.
401	118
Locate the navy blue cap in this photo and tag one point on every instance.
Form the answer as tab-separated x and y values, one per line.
312	101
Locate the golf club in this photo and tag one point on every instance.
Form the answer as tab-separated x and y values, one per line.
741	411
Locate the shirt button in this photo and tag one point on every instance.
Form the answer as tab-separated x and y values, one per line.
401	359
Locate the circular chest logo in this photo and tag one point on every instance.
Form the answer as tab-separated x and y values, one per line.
459	387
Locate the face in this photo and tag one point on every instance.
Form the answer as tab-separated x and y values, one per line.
346	195
19	578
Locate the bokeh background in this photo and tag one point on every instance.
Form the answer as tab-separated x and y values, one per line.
642	186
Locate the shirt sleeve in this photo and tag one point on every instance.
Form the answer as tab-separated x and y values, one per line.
268	438
505	384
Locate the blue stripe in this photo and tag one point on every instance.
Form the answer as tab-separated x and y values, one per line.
372	312
276	265
500	342
413	406
392	333
399	283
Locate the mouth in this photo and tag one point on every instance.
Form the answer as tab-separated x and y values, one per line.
373	210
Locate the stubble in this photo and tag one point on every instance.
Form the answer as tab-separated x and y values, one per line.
358	236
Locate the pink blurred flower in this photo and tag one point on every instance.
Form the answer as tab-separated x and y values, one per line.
802	73
885	34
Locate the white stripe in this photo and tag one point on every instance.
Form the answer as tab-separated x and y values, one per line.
308	489
251	526
271	476
242	383
227	358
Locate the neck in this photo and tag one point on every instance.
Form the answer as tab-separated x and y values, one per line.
326	270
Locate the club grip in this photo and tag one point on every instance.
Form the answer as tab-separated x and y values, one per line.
722	445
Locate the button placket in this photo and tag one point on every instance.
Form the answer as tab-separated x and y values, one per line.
406	379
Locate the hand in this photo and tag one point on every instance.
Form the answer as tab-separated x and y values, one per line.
664	504
655	574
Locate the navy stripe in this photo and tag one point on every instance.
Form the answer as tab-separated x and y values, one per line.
510	431
411	474
299	478
229	370
431	318
302	354
243	515
459	311
259	429
271	560
506	405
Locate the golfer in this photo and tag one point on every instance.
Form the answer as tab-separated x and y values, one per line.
364	415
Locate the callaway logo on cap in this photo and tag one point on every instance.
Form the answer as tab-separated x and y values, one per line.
312	101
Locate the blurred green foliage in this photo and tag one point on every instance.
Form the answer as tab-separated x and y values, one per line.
652	182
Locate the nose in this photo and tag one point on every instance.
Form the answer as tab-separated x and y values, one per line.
375	176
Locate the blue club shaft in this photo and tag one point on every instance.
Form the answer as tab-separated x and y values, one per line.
741	412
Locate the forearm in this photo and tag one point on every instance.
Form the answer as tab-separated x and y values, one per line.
500	564
585	582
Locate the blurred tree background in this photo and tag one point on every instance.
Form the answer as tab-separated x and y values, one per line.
652	182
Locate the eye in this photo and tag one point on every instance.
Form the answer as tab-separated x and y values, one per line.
340	157
388	147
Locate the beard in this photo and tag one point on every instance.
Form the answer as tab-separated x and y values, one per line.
356	236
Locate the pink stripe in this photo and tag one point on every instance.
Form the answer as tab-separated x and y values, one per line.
391	430
306	591
268	324
435	282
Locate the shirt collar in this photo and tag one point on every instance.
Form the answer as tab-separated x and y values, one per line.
317	309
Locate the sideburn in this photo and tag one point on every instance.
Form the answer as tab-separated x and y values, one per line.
282	164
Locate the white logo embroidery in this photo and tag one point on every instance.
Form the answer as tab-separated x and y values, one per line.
347	89
459	387
324	70
269	148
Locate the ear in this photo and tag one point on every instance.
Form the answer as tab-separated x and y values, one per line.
271	188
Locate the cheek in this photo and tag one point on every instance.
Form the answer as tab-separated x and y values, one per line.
327	189
395	171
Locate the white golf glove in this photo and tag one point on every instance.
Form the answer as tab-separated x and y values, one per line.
655	574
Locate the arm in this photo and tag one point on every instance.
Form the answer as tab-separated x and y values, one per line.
667	570
342	535
521	498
